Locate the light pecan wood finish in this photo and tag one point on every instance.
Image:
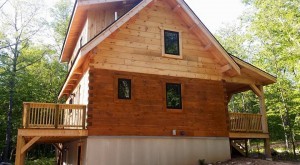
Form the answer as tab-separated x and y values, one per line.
245	122
48	115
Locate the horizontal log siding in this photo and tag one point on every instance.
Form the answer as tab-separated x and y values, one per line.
203	111
137	47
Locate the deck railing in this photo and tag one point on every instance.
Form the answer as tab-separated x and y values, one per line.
245	122
59	116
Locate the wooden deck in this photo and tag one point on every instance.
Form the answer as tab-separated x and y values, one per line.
53	122
59	116
50	123
246	126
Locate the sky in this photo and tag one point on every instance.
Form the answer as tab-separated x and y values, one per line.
213	13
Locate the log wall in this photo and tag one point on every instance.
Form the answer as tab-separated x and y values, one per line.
135	51
203	112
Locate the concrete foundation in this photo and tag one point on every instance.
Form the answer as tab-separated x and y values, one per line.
155	150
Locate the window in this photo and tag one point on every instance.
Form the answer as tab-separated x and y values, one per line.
171	43
173	96
124	89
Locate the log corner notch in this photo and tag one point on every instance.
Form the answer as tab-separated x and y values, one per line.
259	91
22	148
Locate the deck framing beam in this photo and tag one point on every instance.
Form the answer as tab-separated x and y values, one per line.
245	135
29	144
53	132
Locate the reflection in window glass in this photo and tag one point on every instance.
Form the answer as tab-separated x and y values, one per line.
173	94
171	39
124	88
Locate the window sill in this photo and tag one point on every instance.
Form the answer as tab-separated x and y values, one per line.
175	110
172	56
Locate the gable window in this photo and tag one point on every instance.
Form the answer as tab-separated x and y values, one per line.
173	96
124	88
171	39
171	43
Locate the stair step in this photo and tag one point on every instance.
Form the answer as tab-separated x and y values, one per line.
241	149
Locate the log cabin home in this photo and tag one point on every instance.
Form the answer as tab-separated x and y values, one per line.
147	84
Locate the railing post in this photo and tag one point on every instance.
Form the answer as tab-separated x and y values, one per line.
83	116
27	115
263	110
56	116
26	107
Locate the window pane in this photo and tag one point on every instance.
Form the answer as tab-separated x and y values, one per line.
173	92
171	42
124	88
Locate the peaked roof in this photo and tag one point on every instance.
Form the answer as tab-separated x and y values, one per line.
191	20
230	65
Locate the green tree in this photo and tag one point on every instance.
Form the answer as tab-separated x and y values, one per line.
271	32
61	14
29	69
18	22
277	26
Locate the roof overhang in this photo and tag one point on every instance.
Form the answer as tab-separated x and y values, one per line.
76	24
261	76
250	76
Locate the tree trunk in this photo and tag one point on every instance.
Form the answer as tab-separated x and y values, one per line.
286	120
9	117
293	143
12	84
285	132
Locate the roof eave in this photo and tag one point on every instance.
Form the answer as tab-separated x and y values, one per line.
271	79
62	57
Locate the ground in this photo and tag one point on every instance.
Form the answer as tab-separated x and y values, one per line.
250	161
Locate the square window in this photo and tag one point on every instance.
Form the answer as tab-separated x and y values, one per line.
124	89
173	96
171	42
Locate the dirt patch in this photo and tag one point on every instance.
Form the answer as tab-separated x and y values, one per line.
249	161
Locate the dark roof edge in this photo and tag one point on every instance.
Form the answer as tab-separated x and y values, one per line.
73	12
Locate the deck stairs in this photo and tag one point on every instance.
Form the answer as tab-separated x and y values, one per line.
239	145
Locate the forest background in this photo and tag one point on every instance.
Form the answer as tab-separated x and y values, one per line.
267	35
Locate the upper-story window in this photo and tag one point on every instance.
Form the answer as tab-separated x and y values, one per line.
172	44
124	88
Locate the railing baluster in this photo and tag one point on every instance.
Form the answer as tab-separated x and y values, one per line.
62	113
83	116
30	119
48	116
34	120
43	116
56	116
